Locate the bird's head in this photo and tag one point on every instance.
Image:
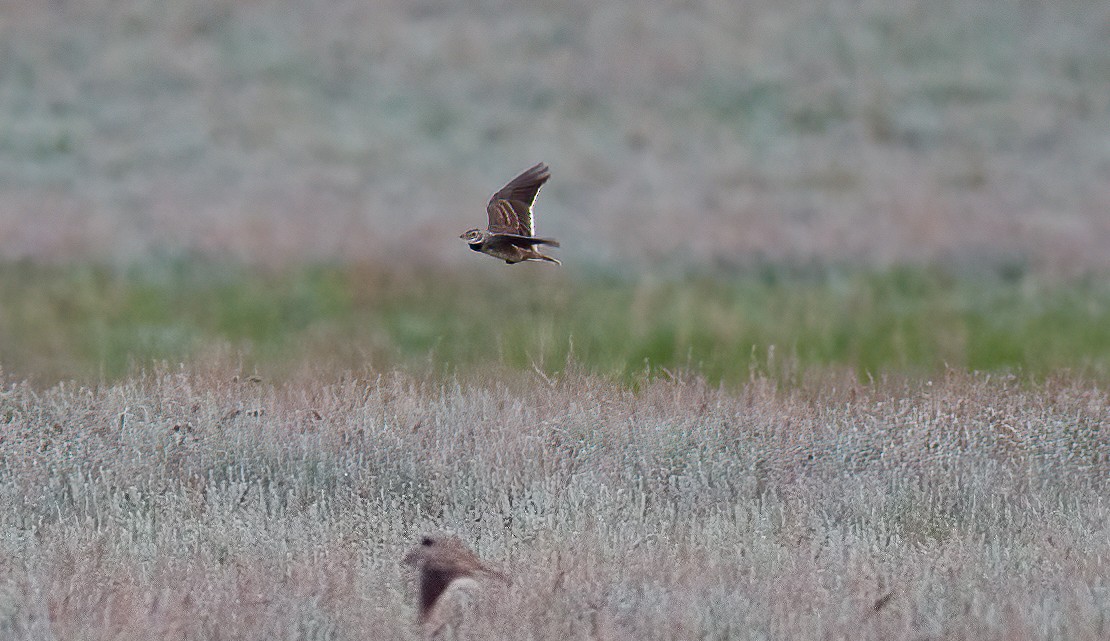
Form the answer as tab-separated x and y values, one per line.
474	236
420	553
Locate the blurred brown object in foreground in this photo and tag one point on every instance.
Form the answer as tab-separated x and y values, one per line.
445	563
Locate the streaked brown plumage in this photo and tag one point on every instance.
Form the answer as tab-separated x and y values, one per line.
510	234
443	559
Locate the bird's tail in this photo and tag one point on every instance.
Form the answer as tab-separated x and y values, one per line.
546	241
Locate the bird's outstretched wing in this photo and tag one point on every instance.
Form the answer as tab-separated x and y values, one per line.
510	210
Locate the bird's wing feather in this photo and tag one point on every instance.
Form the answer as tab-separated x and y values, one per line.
502	217
520	194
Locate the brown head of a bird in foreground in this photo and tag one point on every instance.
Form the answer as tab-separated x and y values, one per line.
443	559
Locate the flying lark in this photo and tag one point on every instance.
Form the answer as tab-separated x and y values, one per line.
510	234
444	561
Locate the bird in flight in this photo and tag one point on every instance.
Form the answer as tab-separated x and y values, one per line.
443	560
510	235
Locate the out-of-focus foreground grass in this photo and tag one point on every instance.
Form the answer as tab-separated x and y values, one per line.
191	504
93	323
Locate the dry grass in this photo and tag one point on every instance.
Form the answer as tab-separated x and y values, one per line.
198	505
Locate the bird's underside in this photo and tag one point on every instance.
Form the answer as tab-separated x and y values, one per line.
515	251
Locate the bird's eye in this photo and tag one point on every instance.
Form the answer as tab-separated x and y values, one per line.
427	541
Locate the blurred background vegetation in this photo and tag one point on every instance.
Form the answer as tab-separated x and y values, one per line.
96	323
881	186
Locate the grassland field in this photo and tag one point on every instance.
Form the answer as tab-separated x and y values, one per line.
700	133
828	357
198	503
242	453
98	324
